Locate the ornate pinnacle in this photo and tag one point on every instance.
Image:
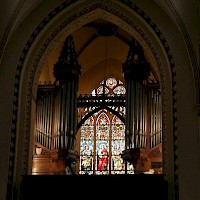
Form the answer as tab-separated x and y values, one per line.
136	67
67	67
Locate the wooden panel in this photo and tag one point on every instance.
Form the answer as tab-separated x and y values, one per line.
47	165
41	165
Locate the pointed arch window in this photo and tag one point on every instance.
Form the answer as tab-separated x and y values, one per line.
87	147
102	137
102	143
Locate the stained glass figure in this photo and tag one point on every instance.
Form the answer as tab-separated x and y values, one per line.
118	166
102	143
87	147
102	157
87	157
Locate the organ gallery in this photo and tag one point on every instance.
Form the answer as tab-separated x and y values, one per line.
116	128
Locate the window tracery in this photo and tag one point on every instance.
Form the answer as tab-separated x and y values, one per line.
103	137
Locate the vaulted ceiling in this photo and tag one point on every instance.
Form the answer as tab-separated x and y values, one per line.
89	43
101	48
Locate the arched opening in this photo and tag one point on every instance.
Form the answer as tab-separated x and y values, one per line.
53	129
154	58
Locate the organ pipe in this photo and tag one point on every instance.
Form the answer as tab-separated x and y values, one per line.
156	117
44	118
57	114
136	70
67	72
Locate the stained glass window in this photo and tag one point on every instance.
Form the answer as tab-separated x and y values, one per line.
112	86
100	90
102	144
103	137
119	90
87	147
118	144
111	82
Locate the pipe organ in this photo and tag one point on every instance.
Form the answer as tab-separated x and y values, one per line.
50	127
58	120
155	117
136	71
56	123
44	118
143	108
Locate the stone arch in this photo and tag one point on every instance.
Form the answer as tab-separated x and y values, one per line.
115	14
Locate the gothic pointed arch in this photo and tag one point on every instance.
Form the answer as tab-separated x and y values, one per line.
163	59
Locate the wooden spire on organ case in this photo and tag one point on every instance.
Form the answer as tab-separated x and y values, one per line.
67	66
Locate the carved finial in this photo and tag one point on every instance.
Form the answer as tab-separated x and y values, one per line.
136	66
67	66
